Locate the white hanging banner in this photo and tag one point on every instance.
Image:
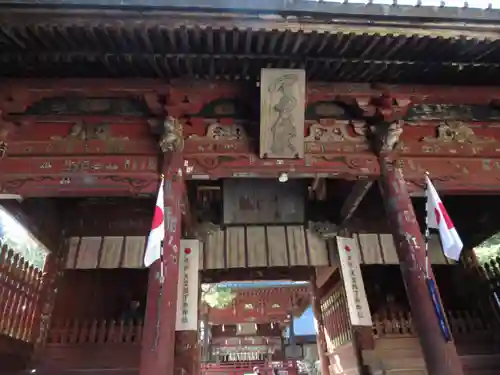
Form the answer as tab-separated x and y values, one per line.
357	303
187	288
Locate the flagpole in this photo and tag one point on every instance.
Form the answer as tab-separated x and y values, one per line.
431	283
427	235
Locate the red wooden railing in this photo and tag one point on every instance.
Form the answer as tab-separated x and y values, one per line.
242	368
20	294
463	324
95	332
336	318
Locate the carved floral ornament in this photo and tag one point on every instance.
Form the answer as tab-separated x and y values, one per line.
456	131
219	132
326	131
81	131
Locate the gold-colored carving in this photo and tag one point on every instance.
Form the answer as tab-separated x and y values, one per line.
172	139
3	149
390	137
456	131
85	132
218	132
339	131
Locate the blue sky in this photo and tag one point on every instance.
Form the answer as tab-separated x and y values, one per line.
305	324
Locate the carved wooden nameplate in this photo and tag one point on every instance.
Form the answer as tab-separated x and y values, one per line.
282	108
262	202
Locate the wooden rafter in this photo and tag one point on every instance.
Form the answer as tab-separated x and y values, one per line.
353	200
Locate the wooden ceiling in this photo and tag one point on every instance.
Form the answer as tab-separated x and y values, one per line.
125	43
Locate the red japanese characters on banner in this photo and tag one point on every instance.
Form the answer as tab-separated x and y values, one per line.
357	302
188	286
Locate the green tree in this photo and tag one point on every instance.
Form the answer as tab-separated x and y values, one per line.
22	242
488	249
217	296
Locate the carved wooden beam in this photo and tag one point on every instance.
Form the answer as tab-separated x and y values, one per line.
452	174
353	200
126	185
294	273
90	165
354	166
79	176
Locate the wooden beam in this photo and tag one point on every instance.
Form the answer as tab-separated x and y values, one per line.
353	200
355	166
294	273
79	176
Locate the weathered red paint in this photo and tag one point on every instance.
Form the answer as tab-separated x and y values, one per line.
126	185
53	138
452	174
471	163
262	305
66	166
70	176
158	345
441	357
248	165
17	95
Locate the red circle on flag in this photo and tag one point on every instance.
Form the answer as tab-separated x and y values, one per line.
441	213
157	218
347	248
437	214
187	251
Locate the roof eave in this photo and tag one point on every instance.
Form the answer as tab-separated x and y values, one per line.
327	23
298	8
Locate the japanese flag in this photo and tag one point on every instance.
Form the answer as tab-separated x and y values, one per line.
438	218
157	234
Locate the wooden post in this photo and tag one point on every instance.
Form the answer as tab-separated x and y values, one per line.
441	358
158	342
206	338
320	326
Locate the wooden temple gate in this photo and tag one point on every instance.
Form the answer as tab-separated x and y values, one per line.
105	238
274	169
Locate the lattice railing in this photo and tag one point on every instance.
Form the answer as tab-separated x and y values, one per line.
76	331
463	324
21	287
336	318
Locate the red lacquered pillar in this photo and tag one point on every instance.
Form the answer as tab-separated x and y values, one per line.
441	357
158	341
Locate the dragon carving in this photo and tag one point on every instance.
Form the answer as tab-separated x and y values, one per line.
386	135
171	140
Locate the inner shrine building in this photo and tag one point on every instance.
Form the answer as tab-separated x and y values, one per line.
293	140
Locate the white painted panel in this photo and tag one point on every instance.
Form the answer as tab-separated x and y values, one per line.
88	254
111	252
188	286
134	252
357	302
